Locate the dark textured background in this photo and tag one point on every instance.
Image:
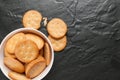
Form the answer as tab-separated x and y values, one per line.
92	52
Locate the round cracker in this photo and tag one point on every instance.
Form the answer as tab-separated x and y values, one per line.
35	67
26	51
47	53
58	44
17	76
11	43
37	39
14	64
57	28
32	19
7	54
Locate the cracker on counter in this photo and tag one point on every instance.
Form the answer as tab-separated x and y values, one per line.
17	76
11	43
57	28
58	44
14	64
32	19
37	39
26	51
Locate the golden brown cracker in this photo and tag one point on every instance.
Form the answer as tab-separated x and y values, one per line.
41	58
57	28
35	67
37	39
58	44
32	19
26	51
47	53
7	54
11	43
14	64
17	76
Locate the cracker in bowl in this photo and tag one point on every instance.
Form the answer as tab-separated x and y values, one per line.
26	51
35	67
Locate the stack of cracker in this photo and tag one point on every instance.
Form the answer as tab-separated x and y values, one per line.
57	30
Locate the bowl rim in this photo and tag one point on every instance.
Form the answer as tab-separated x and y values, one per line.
46	70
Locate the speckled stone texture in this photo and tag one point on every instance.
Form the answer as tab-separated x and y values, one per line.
93	48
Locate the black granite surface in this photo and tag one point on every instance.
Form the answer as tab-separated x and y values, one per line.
93	48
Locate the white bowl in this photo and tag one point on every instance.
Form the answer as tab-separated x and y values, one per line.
5	70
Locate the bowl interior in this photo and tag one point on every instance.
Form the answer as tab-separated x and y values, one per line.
5	70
